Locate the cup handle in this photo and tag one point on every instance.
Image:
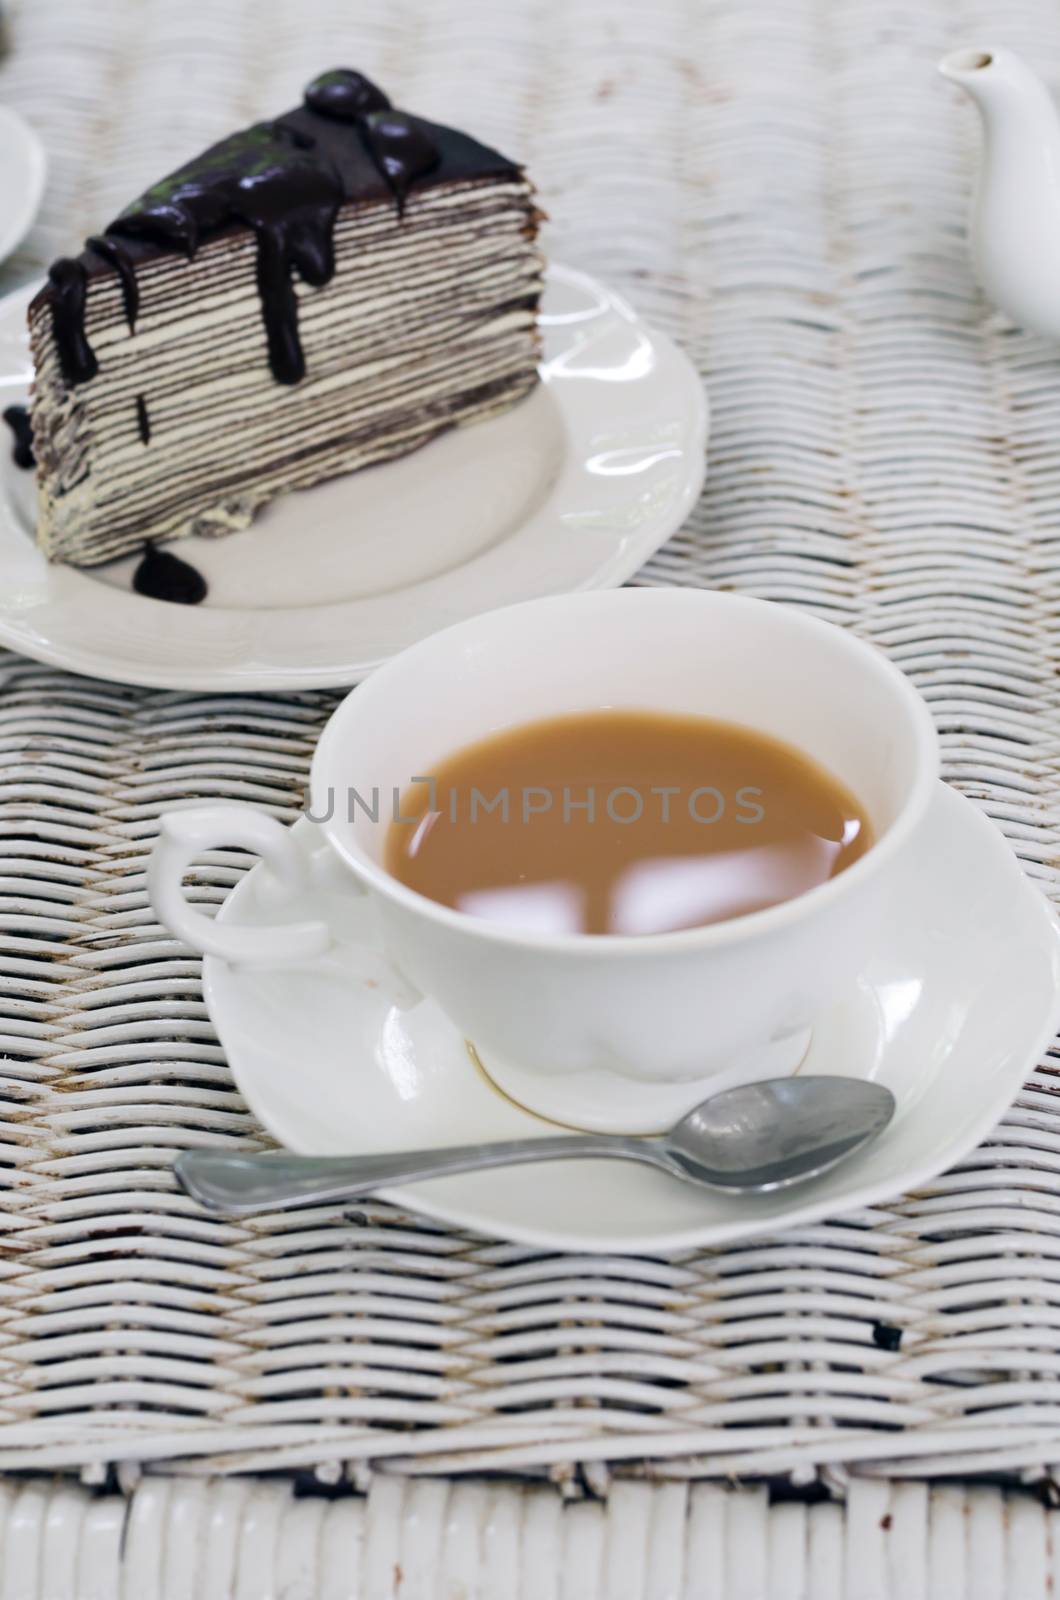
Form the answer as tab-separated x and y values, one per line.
182	836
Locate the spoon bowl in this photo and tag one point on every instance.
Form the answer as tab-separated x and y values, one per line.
748	1140
765	1136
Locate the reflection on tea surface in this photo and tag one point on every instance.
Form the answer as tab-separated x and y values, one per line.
623	822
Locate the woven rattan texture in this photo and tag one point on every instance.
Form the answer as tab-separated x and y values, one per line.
781	184
432	1539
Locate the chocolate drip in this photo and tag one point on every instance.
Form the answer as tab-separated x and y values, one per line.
67	279
113	251
344	95
143	421
287	194
17	419
284	179
163	576
400	149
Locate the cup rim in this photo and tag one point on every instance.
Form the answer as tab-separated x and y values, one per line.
731	931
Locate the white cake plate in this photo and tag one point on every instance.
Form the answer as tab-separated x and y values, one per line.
572	489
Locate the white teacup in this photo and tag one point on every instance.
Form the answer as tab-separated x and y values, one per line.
600	1031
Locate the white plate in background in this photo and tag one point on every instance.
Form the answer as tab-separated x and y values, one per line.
22	173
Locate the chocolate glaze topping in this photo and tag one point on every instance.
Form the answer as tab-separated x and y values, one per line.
300	140
284	179
114	251
164	576
287	194
400	148
143	421
17	419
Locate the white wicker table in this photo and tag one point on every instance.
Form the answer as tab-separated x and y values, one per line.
780	184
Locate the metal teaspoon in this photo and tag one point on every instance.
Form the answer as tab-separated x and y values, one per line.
746	1140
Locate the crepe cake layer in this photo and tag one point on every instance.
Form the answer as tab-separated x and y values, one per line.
197	412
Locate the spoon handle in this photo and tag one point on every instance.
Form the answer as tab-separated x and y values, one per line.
238	1184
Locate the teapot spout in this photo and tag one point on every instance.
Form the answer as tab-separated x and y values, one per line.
1015	222
1002	85
961	65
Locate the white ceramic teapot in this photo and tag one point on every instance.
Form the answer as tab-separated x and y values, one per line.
1015	221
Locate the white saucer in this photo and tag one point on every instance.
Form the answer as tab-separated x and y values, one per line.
22	174
952	1013
572	489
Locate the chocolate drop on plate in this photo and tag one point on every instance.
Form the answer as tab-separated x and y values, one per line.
401	150
67	279
162	576
17	419
344	95
143	421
